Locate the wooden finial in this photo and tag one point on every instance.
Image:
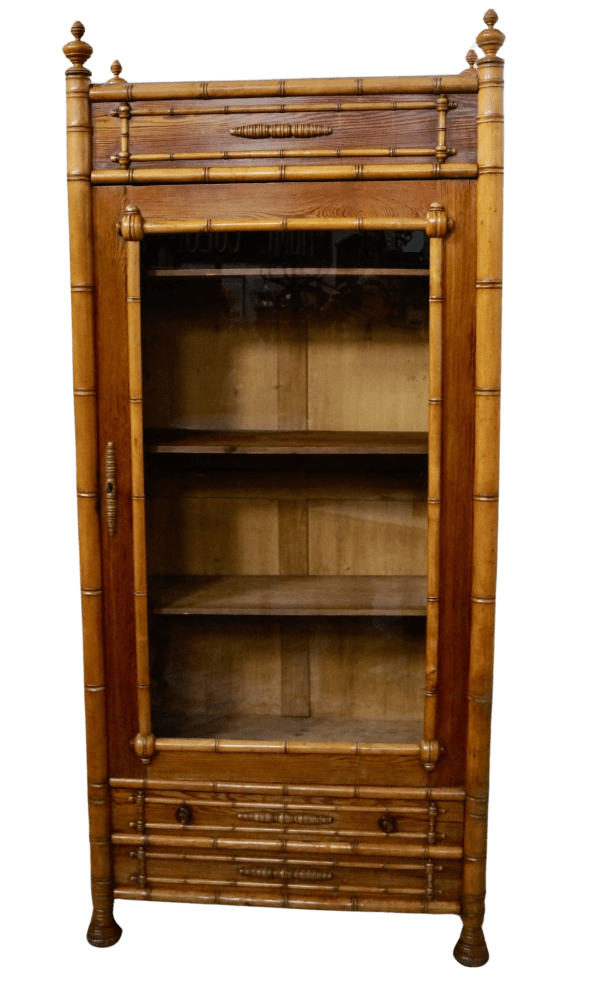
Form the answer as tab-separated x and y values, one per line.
471	58
78	51
491	39
131	225
116	69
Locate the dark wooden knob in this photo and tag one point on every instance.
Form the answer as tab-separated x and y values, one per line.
387	823
184	815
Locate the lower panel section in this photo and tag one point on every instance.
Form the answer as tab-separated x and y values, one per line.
288	901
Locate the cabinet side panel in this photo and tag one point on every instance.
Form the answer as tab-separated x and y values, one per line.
113	417
459	199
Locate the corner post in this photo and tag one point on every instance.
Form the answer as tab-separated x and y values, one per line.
471	949
103	930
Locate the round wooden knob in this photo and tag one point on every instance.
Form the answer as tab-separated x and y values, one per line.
387	823
184	815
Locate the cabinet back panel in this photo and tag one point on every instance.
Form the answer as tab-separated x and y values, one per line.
190	535
309	350
366	376
353	668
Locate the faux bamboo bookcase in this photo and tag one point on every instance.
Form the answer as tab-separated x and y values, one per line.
288	550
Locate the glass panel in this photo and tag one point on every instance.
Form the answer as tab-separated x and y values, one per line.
285	412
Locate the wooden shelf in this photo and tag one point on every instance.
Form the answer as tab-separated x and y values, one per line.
284	595
278	271
194	441
267	728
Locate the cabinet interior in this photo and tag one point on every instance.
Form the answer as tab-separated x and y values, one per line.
285	414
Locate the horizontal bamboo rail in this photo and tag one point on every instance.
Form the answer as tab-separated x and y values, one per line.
251	809
285	845
330	790
243	863
284	746
282	154
287	882
133	226
333	108
277	900
275	174
351	87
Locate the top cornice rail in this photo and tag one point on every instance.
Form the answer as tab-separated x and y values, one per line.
368	86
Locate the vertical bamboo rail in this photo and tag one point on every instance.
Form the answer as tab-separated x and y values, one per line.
471	948
103	930
132	230
436	229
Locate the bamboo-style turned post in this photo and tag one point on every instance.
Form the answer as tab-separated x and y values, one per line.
436	229
103	930
471	948
132	230
124	112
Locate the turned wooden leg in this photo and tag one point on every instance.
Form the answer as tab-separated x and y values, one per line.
471	949
103	931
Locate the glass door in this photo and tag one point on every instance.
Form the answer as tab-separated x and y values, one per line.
288	434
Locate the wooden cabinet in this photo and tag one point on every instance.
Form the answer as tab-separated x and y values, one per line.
286	322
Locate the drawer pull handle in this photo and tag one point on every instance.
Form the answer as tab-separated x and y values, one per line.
287	818
281	130
388	823
184	815
286	874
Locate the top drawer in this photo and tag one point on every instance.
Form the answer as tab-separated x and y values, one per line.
253	815
411	129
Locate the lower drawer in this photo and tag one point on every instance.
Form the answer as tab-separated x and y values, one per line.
149	871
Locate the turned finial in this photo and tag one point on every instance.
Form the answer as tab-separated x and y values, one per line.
78	51
471	58
491	39
116	69
131	228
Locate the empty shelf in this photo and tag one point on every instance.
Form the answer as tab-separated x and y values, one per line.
274	595
195	441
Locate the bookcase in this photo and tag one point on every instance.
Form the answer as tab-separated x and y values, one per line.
286	322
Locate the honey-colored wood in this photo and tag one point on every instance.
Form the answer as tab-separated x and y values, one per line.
288	562
276	900
162	130
351	153
335	790
152	226
267	846
281	174
297	108
471	949
144	741
285	88
437	223
103	930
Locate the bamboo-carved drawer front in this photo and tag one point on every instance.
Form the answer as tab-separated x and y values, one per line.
236	815
151	868
412	128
